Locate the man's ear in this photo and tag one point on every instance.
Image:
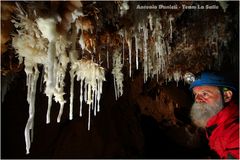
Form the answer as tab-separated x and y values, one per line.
227	96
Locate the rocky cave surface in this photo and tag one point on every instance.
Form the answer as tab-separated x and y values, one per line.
151	119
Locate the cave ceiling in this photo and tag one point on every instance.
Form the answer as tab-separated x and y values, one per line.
193	39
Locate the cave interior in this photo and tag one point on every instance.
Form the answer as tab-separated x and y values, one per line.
136	52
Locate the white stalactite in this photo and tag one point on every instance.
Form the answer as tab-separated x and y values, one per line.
89	117
150	21
48	30
81	41
60	113
117	74
32	77
60	71
81	97
50	81
177	76
71	95
129	42
136	50
170	23
145	53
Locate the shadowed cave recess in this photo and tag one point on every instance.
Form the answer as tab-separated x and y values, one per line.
105	79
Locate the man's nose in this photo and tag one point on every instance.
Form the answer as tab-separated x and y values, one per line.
199	98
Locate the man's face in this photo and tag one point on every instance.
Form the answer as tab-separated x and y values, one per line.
208	102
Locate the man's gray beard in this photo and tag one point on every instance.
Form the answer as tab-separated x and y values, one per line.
202	112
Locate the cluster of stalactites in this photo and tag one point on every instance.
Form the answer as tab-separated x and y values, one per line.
39	43
91	77
147	40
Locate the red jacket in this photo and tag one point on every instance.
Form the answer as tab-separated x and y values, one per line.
223	132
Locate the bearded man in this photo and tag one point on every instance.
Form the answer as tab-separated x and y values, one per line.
215	110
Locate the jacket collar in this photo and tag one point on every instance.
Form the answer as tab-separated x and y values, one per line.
228	112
